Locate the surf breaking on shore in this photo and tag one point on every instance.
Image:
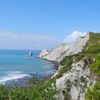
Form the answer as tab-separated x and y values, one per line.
13	76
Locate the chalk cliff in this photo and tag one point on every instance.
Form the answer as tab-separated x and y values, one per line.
57	53
75	73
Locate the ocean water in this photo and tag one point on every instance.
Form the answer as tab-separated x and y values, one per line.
15	64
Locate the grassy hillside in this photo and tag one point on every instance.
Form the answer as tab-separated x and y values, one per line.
94	93
93	45
92	49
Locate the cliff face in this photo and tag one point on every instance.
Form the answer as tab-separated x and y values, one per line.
75	73
74	82
43	53
56	53
59	52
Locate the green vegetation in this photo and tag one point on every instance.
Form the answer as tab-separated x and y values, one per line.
95	67
67	62
39	91
94	93
92	52
93	45
66	65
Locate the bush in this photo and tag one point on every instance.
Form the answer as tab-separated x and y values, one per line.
39	91
93	94
95	67
66	65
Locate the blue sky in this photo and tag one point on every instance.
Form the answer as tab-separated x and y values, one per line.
40	24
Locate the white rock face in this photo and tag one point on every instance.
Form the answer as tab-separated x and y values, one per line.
73	80
54	54
75	73
43	53
57	54
74	92
59	96
78	46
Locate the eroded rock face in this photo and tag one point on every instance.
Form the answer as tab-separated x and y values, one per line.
59	52
75	81
78	46
43	53
56	53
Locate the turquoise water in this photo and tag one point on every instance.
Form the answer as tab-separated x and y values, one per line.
16	64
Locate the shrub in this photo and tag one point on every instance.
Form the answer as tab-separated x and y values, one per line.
95	66
94	93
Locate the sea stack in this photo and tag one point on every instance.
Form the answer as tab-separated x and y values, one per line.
30	53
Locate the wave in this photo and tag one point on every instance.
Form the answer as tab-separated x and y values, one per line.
50	72
13	76
47	66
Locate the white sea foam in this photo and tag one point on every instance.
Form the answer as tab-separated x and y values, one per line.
49	72
13	76
47	66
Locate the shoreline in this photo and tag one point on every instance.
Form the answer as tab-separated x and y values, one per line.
56	64
24	81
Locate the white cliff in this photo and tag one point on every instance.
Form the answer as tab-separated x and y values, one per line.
43	53
78	46
57	53
75	82
72	84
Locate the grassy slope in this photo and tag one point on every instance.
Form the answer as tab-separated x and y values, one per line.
93	45
92	49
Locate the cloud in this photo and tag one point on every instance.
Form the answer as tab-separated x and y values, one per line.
73	37
10	40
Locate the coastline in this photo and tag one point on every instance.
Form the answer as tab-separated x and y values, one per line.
56	64
24	81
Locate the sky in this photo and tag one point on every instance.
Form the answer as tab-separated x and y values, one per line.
43	24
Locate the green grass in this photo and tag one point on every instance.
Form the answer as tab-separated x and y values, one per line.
94	93
93	45
67	62
66	66
95	66
41	91
92	50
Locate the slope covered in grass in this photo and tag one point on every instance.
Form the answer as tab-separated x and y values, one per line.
93	44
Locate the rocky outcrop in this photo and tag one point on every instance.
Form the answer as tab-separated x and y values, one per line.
30	53
75	82
57	53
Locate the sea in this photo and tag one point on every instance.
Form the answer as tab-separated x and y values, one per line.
16	64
